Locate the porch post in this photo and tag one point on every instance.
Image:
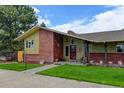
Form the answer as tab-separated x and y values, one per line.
105	52
86	48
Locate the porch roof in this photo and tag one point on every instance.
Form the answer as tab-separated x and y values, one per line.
35	28
108	36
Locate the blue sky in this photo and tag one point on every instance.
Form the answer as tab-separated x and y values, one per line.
59	14
80	18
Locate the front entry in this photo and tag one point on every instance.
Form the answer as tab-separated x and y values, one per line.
73	52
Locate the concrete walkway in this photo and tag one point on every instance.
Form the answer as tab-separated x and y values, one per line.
33	71
28	79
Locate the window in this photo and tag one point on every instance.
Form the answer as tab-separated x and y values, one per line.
120	48
66	51
73	48
26	43
29	43
72	41
32	43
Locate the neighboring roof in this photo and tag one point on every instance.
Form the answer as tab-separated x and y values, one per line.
109	36
35	28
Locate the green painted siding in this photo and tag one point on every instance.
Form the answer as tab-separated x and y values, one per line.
99	47
111	47
79	47
96	47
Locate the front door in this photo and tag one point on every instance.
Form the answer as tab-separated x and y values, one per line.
73	52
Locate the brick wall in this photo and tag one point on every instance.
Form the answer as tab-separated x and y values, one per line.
58	46
114	57
32	58
96	57
46	45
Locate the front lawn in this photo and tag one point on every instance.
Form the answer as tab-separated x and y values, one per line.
18	66
97	74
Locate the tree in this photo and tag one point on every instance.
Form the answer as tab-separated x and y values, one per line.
14	20
43	24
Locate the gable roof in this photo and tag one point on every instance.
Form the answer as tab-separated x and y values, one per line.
108	36
35	28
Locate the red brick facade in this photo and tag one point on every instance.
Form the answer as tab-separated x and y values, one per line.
46	45
32	58
58	46
96	57
50	48
113	57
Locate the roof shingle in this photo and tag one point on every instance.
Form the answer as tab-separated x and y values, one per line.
108	36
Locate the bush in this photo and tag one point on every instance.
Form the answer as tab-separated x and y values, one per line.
10	56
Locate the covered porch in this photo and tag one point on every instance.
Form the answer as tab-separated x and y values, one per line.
107	53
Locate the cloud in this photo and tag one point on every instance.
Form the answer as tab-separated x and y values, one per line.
36	10
106	21
44	19
69	26
41	18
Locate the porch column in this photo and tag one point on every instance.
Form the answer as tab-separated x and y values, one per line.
105	43
86	48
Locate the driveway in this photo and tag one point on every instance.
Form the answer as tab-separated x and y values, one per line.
27	79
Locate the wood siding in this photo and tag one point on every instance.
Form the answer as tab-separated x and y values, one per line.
34	36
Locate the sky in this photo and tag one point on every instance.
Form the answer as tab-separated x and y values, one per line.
81	18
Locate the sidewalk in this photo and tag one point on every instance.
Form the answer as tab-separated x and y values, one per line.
33	71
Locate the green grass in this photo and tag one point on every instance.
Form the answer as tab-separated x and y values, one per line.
18	67
103	75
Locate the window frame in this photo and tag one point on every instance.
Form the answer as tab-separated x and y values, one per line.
122	46
26	44
29	44
32	43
